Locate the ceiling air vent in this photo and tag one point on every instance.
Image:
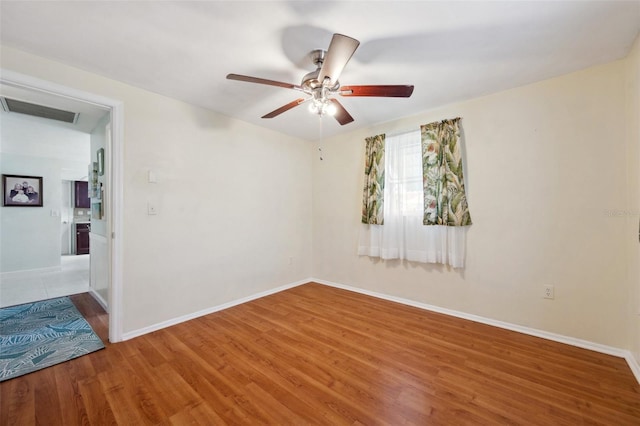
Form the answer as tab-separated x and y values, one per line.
12	105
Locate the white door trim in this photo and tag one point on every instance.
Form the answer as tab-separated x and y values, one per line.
116	157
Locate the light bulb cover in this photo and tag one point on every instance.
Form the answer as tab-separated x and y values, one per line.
330	108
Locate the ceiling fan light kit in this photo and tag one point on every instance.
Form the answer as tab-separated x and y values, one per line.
322	85
322	107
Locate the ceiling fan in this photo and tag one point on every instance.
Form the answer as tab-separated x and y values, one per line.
322	84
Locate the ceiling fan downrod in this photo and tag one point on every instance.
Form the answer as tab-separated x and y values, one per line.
319	91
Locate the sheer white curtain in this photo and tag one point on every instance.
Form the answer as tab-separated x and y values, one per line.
403	235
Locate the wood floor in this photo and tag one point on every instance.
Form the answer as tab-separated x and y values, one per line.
320	355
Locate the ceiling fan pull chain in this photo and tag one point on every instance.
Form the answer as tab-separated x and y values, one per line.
320	143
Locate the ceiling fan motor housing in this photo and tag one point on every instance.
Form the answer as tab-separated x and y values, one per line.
310	81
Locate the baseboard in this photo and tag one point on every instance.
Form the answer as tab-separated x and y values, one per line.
634	365
584	344
174	321
99	299
27	273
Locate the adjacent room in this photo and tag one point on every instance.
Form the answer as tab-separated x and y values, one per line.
46	249
286	212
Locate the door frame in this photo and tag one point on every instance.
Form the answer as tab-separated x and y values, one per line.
115	154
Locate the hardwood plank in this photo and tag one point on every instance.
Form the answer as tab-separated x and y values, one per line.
17	400
67	378
129	405
320	355
92	311
98	409
47	399
201	414
312	381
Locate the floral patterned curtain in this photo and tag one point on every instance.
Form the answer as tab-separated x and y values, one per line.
445	201
373	197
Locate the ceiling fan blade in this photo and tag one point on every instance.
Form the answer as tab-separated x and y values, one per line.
341	114
389	91
284	108
249	79
340	51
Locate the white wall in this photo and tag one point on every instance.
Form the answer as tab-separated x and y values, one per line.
544	163
233	200
30	236
632	211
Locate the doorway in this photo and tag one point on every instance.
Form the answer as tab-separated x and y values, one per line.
111	195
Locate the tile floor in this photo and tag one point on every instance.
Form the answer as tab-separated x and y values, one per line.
72	279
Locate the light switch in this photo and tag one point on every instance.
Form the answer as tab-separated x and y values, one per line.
152	177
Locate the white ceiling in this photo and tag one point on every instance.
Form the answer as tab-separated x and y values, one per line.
449	50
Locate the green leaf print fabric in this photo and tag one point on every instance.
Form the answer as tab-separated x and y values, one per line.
445	201
373	197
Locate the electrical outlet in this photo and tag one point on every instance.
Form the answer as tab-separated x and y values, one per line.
548	292
151	209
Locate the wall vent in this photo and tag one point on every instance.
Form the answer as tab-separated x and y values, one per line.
13	105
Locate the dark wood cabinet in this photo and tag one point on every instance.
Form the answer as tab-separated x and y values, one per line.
82	200
82	237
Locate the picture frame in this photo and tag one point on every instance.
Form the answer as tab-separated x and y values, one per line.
93	180
22	191
101	162
96	210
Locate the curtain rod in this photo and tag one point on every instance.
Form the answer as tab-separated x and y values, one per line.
404	132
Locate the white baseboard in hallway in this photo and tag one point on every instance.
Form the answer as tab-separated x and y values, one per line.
71	277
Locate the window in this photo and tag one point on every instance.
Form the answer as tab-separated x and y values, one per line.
403	235
403	175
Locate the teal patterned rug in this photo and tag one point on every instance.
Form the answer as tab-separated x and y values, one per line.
41	334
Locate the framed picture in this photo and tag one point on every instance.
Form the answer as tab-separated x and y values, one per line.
93	180
101	162
21	191
96	210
